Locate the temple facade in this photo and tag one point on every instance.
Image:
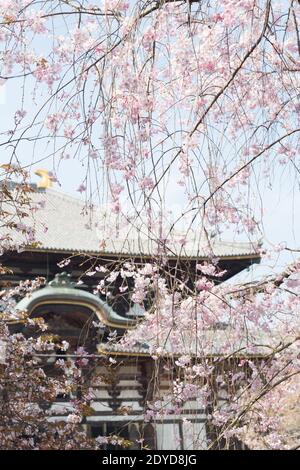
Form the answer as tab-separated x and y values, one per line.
123	381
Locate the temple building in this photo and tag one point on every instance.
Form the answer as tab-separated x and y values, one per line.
70	243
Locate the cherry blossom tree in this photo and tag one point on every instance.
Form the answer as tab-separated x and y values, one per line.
195	102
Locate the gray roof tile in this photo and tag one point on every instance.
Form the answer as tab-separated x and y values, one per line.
63	224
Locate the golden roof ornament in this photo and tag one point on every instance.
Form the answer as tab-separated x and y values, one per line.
46	180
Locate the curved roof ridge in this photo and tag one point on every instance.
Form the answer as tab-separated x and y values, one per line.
65	294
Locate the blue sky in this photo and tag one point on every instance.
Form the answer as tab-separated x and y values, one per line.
281	221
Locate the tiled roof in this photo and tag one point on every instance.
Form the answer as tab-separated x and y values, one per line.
211	342
221	340
62	224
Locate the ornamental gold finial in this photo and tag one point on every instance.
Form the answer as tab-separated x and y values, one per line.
45	181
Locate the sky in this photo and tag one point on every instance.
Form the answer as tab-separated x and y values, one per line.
281	218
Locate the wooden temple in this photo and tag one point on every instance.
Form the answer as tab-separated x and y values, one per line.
65	231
